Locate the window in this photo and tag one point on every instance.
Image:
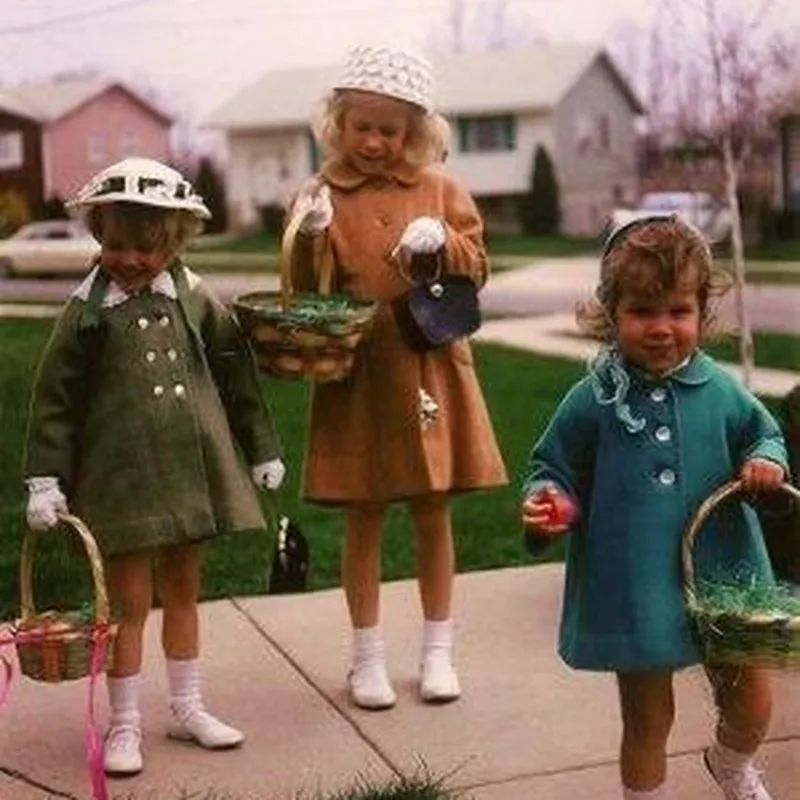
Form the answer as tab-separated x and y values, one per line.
128	144
97	149
11	150
592	133
487	134
603	133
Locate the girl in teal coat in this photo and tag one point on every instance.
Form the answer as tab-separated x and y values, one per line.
147	422
630	453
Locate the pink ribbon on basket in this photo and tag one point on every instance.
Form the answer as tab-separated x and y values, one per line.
94	743
8	670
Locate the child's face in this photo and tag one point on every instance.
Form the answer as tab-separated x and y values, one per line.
374	131
658	332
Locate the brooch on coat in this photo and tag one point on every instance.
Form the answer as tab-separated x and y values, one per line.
428	410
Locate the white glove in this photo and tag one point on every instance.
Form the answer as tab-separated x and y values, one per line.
423	235
45	502
269	475
316	208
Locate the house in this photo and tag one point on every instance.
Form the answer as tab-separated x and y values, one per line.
501	105
55	136
788	164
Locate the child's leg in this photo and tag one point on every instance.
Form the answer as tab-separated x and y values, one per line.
130	590
435	568
179	590
744	699
361	576
648	709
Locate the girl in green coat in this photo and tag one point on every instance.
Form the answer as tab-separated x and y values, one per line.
147	422
633	448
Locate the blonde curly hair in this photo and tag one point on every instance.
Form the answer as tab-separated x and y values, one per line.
428	133
649	257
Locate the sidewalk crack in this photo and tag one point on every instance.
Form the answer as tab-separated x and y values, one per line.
306	676
16	775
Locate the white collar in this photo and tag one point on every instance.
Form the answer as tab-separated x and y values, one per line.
116	295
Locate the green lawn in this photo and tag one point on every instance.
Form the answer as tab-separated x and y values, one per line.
521	391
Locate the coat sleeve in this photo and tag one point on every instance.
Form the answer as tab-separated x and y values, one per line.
234	372
59	399
758	433
465	252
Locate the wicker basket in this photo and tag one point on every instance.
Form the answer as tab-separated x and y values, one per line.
766	638
57	646
304	335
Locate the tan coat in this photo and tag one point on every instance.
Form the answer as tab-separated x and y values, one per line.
368	438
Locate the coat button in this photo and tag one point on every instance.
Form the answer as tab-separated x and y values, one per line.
659	394
663	434
666	477
158	391
172	354
163	321
150	356
180	390
143	322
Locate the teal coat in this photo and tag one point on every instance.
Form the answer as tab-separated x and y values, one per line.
623	605
149	414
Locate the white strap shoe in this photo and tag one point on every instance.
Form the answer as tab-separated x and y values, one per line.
369	686
438	679
122	750
197	725
740	784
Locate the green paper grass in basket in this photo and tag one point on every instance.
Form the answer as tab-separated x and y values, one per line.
741	619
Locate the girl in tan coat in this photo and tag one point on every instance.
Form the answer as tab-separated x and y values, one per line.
404	426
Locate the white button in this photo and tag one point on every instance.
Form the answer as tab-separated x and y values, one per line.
180	390
172	354
158	391
666	477
142	322
163	321
659	394
150	355
663	434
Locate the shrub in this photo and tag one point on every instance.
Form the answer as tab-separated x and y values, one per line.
210	187
539	209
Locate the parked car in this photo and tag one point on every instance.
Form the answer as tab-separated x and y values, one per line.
50	247
711	216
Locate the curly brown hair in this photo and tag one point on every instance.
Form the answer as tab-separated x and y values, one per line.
142	227
648	257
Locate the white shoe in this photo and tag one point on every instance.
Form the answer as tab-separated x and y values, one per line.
438	679
369	686
197	725
741	784
122	751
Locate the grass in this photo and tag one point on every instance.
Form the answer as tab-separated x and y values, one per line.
521	391
775	350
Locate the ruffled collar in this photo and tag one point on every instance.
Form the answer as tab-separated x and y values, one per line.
342	175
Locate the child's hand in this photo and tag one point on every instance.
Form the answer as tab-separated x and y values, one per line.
547	512
45	502
270	474
316	208
761	475
422	235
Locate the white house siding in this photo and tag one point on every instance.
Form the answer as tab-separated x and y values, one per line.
264	168
592	179
788	165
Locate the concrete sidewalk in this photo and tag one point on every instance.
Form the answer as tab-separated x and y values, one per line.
526	727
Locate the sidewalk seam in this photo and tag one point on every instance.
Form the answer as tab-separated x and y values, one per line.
16	775
306	676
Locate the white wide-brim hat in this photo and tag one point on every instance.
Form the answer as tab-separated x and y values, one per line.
391	71
141	180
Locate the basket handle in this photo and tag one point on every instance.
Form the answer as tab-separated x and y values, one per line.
287	247
693	528
28	610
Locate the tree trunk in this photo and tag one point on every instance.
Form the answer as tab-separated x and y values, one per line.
746	349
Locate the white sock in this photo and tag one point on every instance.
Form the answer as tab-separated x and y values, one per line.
725	759
659	793
123	700
367	645
183	677
369	681
437	637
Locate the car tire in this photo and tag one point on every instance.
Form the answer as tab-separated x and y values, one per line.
7	268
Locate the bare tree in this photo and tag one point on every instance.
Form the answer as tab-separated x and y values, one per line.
726	70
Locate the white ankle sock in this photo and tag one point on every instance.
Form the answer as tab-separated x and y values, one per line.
368	680
659	793
728	759
367	645
123	700
183	677
437	637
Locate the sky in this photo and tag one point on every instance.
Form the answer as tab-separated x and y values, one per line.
196	53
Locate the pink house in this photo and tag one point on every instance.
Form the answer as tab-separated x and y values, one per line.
84	125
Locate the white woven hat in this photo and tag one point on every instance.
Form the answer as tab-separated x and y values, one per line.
390	71
141	180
